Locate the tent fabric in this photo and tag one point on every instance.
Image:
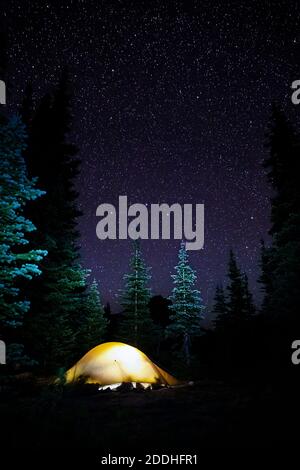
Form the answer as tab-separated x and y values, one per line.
111	363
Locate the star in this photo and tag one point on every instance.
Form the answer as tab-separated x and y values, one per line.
168	105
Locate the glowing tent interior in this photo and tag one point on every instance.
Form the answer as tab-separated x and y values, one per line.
115	363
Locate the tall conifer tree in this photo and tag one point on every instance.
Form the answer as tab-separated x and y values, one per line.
94	323
187	305
137	327
280	262
53	323
220	311
18	262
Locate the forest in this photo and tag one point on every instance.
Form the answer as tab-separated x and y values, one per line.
52	312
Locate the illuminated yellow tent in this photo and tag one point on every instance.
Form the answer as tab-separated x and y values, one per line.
116	363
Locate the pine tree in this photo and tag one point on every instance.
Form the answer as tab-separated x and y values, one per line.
249	307
94	324
283	167
17	261
219	310
235	289
187	304
57	296
280	263
160	310
137	327
53	331
266	277
240	303
233	322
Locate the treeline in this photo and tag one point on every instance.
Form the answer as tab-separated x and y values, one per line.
246	340
50	313
180	323
46	303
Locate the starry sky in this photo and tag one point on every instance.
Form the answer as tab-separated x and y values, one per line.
171	102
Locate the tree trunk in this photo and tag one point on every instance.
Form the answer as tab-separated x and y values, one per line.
186	348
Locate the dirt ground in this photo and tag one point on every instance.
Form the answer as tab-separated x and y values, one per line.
209	414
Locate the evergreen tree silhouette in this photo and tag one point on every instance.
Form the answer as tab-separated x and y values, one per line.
235	289
280	266
249	306
52	325
18	262
219	310
187	305
94	324
137	327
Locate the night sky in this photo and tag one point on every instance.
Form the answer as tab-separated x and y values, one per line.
171	104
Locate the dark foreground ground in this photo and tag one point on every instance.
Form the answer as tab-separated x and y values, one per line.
210	414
